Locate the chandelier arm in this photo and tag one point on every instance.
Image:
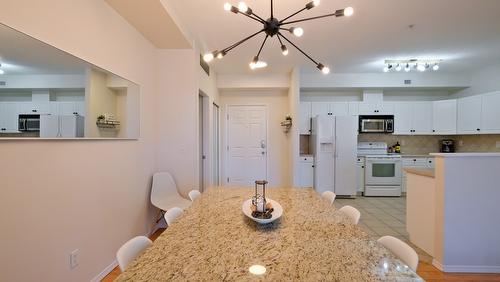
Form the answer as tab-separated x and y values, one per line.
308	19
296	47
278	35
227	49
262	46
253	18
299	11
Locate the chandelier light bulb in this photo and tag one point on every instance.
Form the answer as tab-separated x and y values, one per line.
221	55
324	69
208	57
2	72
421	67
398	67
284	50
435	67
297	31
243	7
386	69
349	11
316	3
407	68
257	64
227	7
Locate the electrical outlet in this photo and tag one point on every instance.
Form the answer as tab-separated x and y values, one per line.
74	259
498	144
460	143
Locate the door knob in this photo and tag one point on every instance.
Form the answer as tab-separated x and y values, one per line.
262	144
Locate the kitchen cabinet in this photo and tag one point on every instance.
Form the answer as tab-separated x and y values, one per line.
490	113
411	118
305	118
9	115
353	108
360	174
469	115
306	168
67	108
444	117
415	162
33	108
80	108
330	108
376	108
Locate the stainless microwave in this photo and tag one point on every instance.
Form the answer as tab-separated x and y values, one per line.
29	123
376	124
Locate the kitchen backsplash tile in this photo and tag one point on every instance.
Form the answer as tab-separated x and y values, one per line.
423	145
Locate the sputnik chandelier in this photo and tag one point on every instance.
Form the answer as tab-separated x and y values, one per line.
408	65
273	27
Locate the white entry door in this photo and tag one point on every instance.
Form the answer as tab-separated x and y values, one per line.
247	145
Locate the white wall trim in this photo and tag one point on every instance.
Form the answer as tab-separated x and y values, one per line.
466	268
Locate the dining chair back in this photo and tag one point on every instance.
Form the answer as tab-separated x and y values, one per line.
194	194
352	213
402	250
164	193
329	196
172	214
130	250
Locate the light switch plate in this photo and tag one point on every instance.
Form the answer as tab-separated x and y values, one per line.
498	144
74	259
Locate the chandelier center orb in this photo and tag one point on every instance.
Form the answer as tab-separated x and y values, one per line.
272	27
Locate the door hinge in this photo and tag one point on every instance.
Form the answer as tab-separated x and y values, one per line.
228	148
227	116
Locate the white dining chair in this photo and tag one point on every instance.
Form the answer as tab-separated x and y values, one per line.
194	194
172	214
402	250
130	250
164	193
352	213
329	196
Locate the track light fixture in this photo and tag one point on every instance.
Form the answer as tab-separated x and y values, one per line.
272	27
420	65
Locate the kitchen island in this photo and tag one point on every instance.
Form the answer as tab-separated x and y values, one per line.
312	241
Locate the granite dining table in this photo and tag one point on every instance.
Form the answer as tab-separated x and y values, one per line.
214	241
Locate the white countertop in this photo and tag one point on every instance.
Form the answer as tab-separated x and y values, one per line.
448	155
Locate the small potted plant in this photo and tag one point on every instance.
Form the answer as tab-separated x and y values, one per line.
101	118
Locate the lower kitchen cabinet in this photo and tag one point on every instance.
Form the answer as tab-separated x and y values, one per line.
306	168
9	117
415	162
360	174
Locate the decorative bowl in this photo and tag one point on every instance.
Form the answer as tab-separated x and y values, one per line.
277	212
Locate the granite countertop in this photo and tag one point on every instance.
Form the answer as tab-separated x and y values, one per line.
312	241
486	154
429	172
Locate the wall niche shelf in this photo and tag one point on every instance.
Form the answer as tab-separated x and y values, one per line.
107	124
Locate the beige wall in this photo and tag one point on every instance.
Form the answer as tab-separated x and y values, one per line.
278	142
58	196
100	100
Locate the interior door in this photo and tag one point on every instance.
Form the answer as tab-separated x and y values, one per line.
247	145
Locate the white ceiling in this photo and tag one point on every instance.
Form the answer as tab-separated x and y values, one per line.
464	33
23	55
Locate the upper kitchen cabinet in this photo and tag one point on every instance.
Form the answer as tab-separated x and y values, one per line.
412	118
8	117
330	108
469	115
376	108
305	118
490	113
444	117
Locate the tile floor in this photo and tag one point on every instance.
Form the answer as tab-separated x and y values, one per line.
383	216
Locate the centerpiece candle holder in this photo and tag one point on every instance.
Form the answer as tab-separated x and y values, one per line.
260	207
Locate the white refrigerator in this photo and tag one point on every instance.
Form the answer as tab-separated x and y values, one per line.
334	143
67	126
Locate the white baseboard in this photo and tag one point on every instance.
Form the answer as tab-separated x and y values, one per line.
466	268
114	264
105	272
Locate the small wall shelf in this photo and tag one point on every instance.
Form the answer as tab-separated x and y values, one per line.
107	124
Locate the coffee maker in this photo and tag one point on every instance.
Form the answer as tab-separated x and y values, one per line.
447	146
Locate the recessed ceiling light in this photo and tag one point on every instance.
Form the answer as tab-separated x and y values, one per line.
257	269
